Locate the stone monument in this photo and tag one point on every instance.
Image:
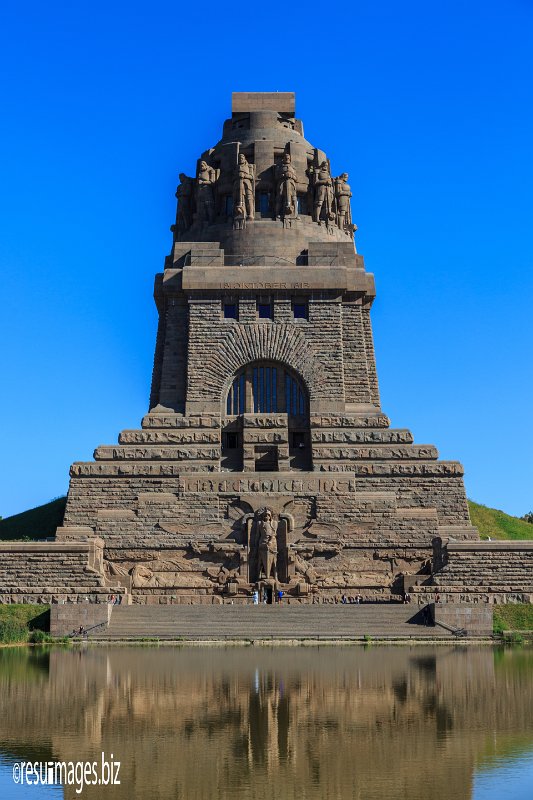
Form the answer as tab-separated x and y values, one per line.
265	457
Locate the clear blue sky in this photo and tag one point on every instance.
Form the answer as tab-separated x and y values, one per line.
428	106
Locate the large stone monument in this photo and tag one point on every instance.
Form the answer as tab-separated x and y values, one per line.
265	460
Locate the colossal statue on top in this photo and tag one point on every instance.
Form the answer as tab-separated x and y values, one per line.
244	188
286	199
262	170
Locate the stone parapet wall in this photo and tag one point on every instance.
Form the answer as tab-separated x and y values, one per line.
475	620
66	618
51	572
479	572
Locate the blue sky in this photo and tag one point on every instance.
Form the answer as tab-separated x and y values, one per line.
428	106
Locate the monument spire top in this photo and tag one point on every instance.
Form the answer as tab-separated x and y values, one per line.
245	102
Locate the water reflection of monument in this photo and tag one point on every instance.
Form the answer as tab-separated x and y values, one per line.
202	723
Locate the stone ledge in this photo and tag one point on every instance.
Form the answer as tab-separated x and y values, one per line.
485	546
49	547
170	419
378	451
274	278
348	420
246	102
174	469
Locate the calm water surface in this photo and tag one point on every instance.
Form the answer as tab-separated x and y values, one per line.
242	722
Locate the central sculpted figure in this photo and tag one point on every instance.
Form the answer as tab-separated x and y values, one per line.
267	543
243	187
286	189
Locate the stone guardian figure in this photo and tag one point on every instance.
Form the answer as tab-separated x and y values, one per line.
266	536
323	204
286	201
244	187
205	200
184	211
342	198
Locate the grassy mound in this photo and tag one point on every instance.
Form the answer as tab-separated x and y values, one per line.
24	623
37	523
513	617
497	525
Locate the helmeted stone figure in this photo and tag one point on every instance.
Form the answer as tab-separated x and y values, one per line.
342	197
244	187
266	536
184	193
286	201
205	201
323	193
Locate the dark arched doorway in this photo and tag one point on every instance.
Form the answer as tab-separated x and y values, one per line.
267	388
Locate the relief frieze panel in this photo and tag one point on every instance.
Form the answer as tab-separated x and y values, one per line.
349	421
377	453
185	436
265	437
264	421
178	421
354	436
166	469
159	453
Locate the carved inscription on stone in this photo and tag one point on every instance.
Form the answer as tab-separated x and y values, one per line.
265	285
287	485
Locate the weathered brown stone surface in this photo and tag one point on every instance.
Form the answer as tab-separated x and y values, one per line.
51	572
265	400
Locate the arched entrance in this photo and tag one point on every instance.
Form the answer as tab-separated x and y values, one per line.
267	388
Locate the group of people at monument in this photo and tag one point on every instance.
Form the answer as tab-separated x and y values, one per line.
327	199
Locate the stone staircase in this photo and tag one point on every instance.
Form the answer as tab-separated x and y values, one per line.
227	622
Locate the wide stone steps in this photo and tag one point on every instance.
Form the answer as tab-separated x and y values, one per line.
268	622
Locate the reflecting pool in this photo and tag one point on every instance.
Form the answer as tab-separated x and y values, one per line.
425	723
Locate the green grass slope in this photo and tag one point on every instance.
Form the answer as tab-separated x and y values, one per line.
37	523
497	525
513	617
